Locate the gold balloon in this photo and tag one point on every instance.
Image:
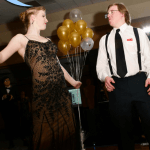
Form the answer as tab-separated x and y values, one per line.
88	33
63	33
63	46
75	39
80	26
74	30
69	24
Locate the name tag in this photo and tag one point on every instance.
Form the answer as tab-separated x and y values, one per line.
130	39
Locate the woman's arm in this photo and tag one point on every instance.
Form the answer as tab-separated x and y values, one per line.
74	83
67	76
13	46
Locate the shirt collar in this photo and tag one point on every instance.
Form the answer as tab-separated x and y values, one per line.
8	86
122	28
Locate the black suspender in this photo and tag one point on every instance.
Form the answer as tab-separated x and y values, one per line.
138	48
109	62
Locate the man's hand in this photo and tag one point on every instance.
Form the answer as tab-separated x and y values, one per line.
11	97
4	96
147	82
108	84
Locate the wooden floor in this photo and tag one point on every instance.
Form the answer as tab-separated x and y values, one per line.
137	147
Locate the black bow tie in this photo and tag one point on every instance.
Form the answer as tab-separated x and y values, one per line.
8	88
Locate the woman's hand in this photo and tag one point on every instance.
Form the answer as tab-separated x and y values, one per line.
73	82
77	84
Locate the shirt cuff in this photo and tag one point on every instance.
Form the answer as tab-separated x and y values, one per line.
148	75
104	75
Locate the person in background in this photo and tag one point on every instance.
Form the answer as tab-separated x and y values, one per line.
9	110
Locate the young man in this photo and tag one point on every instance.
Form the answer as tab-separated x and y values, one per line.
123	63
8	108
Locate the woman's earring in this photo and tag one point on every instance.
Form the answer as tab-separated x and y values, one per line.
32	22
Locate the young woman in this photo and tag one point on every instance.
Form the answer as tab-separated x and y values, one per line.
53	119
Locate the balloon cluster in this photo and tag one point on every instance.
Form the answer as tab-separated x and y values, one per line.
74	32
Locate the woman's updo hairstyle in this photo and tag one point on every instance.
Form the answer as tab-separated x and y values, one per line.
25	16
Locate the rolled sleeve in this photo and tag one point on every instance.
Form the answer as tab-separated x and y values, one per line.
102	66
145	51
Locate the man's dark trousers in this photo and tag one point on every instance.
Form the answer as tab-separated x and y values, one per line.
129	100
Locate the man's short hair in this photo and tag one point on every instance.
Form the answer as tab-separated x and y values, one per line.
123	10
4	78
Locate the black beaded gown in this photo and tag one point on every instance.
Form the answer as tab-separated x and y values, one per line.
53	118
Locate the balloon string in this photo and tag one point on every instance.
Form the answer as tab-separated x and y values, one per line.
80	64
84	58
69	59
78	68
73	66
81	134
76	63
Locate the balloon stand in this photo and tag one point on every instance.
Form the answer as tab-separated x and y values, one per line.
77	62
80	125
75	34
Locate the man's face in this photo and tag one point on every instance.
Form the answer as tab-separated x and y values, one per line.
7	82
115	17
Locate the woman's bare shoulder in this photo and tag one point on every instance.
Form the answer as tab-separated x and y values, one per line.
49	39
21	38
18	37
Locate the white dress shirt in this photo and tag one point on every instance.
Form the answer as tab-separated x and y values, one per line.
8	91
130	51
